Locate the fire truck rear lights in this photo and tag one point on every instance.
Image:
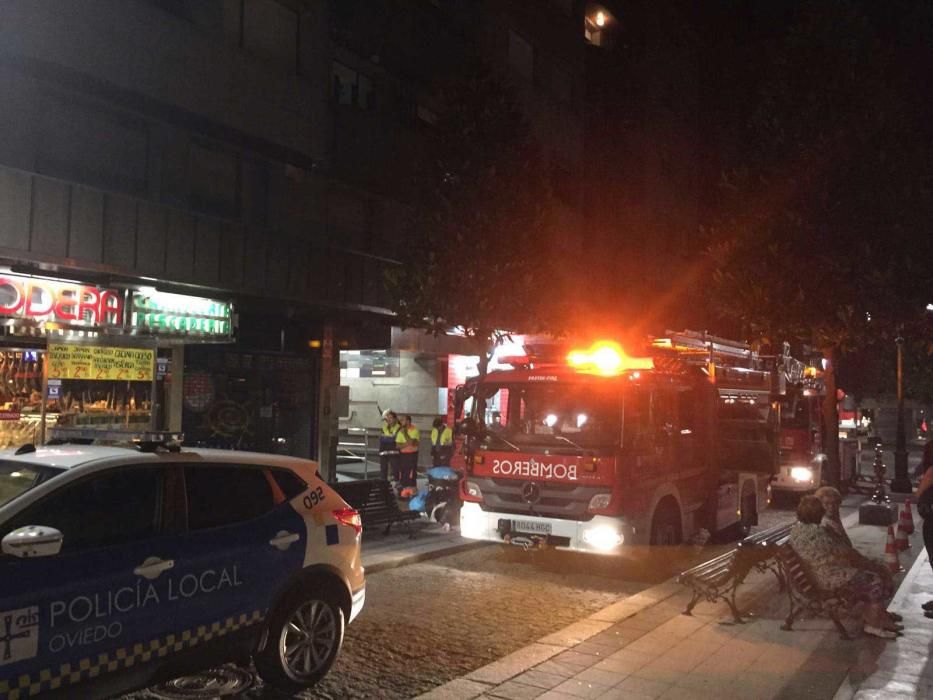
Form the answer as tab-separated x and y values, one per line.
607	359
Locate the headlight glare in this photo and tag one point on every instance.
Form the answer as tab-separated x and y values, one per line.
604	537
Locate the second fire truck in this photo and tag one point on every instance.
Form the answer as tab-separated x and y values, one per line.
595	450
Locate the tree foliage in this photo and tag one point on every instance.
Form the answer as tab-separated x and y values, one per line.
476	253
823	237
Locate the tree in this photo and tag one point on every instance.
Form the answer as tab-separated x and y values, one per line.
476	256
819	240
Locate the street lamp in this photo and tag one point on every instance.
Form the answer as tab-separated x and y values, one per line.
901	482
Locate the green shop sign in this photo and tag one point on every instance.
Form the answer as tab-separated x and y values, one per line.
177	314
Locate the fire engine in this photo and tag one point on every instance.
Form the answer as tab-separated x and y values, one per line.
802	454
595	450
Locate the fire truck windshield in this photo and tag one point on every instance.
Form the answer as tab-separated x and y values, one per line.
566	416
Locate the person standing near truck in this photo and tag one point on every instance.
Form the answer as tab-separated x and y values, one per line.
407	440
388	452
442	443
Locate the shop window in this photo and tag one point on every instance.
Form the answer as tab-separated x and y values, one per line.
521	56
106	510
225	495
212	177
270	32
350	87
290	483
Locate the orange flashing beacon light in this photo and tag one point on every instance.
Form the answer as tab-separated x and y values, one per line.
606	359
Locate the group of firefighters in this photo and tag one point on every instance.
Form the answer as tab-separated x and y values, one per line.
399	444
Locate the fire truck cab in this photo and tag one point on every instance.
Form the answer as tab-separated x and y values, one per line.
595	451
801	446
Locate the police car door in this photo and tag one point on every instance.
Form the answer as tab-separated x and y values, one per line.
244	540
93	610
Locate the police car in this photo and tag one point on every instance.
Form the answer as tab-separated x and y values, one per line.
122	567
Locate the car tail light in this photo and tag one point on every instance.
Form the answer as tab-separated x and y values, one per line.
350	518
470	492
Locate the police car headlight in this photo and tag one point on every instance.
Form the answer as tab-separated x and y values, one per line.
801	474
604	537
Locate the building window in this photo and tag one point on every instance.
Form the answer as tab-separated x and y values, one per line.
212	179
270	32
521	56
351	88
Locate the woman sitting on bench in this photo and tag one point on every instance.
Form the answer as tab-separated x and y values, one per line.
833	565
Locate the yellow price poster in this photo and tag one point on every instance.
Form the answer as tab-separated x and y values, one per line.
100	363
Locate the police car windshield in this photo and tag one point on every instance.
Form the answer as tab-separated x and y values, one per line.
560	416
17	478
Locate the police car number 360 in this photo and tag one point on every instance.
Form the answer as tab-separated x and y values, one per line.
314	498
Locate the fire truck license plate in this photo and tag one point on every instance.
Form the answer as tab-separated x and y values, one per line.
531	527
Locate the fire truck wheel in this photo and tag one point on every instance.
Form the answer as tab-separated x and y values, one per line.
665	526
749	515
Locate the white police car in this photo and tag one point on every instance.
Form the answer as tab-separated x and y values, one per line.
123	567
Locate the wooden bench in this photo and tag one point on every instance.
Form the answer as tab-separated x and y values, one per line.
377	504
805	596
720	577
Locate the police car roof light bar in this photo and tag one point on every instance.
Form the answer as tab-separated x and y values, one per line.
145	440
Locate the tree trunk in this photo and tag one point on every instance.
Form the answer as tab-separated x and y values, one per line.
832	471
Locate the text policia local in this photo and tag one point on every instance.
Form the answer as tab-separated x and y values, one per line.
98	608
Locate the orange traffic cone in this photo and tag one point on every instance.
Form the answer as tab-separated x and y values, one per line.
901	542
890	553
908	516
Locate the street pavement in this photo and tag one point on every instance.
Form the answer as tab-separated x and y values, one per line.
644	647
452	618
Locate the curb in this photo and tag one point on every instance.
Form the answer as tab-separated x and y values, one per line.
423	556
489	676
847	690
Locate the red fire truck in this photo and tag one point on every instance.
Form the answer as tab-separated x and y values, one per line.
801	447
594	450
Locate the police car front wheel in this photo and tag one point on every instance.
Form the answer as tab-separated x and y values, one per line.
305	634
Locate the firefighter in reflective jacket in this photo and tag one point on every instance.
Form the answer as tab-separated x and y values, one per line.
388	452
442	443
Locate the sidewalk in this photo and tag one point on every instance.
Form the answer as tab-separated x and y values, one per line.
643	647
381	552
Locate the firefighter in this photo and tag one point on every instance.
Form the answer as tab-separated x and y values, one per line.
442	443
407	440
388	452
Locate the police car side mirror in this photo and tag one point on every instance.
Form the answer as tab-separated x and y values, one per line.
32	541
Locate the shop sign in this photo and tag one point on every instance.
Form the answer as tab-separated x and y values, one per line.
177	314
72	361
66	303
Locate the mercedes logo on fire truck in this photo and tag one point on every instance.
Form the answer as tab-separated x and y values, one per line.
530	492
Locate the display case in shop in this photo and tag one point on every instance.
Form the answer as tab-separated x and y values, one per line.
21	409
99	386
